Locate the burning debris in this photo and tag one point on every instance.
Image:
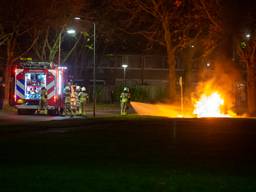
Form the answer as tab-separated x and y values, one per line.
210	106
205	103
213	98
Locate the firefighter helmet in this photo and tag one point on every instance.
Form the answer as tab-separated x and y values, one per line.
78	88
83	89
67	88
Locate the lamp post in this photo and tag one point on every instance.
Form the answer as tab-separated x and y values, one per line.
94	69
70	32
124	67
59	89
59	63
94	65
181	95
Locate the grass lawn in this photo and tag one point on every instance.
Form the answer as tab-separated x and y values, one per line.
129	154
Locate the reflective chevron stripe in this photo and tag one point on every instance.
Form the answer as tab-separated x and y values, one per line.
19	85
51	84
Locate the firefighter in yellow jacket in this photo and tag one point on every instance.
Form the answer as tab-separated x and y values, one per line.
78	90
83	98
125	98
43	101
67	101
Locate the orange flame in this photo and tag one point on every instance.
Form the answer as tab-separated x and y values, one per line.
210	106
208	100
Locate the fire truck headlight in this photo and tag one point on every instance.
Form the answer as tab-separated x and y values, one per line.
20	101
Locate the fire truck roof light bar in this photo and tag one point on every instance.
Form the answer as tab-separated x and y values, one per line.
62	67
37	65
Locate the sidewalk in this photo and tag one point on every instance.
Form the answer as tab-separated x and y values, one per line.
101	110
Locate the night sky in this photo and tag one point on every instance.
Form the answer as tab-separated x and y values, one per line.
238	12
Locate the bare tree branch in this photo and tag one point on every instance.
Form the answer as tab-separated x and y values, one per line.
209	15
27	50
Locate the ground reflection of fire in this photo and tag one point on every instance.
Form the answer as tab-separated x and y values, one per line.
161	110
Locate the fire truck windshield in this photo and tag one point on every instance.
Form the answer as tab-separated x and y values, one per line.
33	84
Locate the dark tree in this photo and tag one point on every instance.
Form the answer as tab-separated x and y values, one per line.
21	22
172	24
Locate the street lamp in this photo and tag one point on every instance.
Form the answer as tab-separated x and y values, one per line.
248	35
59	89
77	18
71	31
124	67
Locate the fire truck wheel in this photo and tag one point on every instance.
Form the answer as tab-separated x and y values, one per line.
53	112
26	111
20	112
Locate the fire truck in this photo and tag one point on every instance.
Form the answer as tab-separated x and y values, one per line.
28	79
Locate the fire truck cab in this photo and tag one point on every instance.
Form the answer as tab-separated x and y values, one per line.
30	77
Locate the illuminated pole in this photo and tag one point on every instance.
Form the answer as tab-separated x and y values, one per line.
59	54
60	69
94	66
181	95
58	88
94	69
124	79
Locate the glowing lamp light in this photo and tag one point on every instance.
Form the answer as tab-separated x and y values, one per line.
71	31
77	18
124	66
248	35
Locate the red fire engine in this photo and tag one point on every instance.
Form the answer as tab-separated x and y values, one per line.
30	77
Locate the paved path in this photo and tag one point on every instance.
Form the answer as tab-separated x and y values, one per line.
13	118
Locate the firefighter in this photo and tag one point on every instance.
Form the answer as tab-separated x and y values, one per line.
78	90
83	99
73	98
125	100
43	101
67	101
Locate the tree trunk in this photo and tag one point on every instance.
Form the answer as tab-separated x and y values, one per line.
188	74
7	73
170	59
7	86
188	82
172	76
251	92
